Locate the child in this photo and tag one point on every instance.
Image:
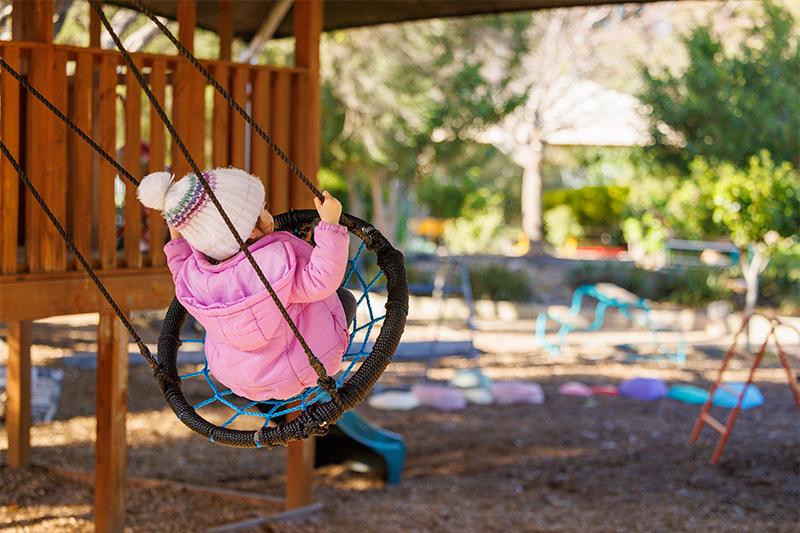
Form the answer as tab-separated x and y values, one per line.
249	346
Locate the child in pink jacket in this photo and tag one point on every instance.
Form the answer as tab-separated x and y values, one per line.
249	346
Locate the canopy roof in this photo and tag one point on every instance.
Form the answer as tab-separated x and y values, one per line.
339	14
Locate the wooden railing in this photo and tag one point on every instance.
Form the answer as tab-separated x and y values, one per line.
93	88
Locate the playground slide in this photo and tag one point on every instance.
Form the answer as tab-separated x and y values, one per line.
356	440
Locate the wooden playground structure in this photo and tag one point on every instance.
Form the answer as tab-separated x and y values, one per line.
38	278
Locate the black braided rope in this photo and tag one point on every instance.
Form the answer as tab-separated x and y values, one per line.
143	349
327	383
66	120
318	418
225	94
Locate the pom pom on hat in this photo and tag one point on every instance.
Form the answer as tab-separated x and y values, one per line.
152	191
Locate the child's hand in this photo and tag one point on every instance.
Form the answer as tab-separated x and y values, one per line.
329	209
173	233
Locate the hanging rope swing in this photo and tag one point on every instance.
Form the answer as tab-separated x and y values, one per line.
319	407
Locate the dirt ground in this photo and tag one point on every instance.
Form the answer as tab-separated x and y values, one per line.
571	464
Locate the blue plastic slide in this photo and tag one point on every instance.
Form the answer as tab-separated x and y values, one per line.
356	440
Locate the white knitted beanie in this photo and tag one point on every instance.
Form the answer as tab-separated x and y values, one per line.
187	208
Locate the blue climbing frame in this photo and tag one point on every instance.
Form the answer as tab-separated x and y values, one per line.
604	302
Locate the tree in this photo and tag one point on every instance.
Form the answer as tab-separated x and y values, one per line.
401	101
729	104
566	48
757	207
732	119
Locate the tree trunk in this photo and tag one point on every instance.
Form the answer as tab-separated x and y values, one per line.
751	271
532	197
379	215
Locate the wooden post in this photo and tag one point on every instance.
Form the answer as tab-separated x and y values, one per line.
188	102
19	393
299	472
225	28
112	406
308	16
32	20
308	20
94	28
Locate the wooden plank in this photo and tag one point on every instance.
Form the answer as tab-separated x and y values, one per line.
18	415
80	156
34	296
112	406
259	151
299	195
221	121
225	28
133	162
38	161
308	16
54	250
106	210
9	180
238	125
279	175
155	222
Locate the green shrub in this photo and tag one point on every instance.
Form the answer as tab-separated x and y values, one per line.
689	286
489	282
599	206
560	224
499	282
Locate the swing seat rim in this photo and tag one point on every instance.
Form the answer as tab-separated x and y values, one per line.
318	418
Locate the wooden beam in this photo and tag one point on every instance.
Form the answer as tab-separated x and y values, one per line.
238	125
18	416
308	17
38	161
94	28
32	20
9	180
106	208
133	162
155	222
225	28
279	173
112	406
259	151
80	158
266	30
33	296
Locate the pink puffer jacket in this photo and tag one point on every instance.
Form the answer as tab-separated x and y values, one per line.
249	346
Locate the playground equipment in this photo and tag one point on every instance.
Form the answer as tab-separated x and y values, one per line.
743	392
607	296
355	439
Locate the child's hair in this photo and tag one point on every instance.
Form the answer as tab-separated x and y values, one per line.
187	208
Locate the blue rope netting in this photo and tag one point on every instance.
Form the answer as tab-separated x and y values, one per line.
356	351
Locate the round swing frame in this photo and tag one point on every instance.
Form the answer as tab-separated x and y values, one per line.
318	418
